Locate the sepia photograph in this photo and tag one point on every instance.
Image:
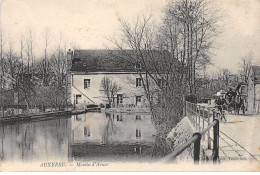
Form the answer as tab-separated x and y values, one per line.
130	85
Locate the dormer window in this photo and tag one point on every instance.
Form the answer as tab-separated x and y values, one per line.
138	65
160	82
138	82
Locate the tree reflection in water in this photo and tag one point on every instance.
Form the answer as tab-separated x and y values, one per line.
30	141
135	136
110	129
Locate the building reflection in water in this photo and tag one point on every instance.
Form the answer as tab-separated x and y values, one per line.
110	136
90	136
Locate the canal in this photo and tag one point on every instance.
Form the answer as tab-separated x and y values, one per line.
85	137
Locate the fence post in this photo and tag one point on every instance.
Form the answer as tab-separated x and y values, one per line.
197	148
209	140
199	118
3	111
186	108
216	141
192	113
195	109
191	108
203	116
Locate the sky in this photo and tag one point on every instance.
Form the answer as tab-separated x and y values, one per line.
88	23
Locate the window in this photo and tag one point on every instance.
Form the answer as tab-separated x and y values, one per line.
119	98
137	149
138	117
86	132
138	82
119	118
138	133
86	83
138	99
78	97
138	65
160	82
78	118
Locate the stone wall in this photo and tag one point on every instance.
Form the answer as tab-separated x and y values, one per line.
180	134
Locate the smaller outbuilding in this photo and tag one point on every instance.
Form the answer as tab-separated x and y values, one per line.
253	93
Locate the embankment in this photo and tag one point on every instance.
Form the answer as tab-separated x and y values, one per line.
180	134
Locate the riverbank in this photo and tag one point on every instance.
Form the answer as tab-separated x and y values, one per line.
40	116
128	110
179	135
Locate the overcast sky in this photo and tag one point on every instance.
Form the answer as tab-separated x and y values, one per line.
87	23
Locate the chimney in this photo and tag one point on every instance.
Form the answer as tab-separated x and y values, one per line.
69	59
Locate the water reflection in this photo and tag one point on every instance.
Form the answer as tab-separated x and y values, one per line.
47	140
91	136
112	136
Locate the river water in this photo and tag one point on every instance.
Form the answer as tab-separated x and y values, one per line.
85	137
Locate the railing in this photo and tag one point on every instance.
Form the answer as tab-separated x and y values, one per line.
131	106
202	121
83	94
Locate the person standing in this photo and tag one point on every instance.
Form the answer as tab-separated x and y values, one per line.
230	94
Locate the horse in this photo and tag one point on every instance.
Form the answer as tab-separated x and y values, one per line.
236	104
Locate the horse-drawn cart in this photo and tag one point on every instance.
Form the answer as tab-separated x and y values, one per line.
238	100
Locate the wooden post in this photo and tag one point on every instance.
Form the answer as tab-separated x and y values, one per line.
196	117
186	108
209	140
3	111
199	118
193	114
203	116
197	148
216	141
190	108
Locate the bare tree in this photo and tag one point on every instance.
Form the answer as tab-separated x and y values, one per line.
30	52
2	44
224	75
188	33
110	89
170	55
245	64
161	73
45	61
21	52
58	62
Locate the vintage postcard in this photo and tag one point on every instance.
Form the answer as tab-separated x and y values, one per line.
129	85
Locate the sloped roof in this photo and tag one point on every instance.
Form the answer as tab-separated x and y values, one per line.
120	60
256	72
103	61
